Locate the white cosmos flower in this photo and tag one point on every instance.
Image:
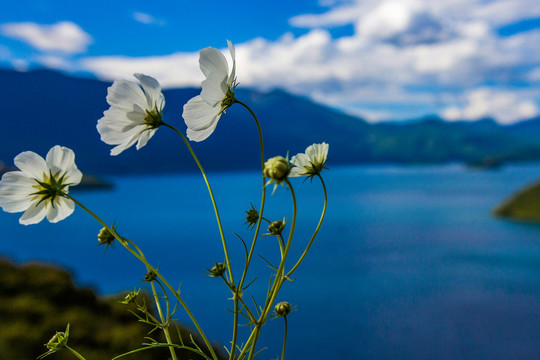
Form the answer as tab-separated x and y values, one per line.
311	162
202	113
40	187
134	115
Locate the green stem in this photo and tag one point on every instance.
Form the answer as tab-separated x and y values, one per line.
142	258
79	356
257	227
278	282
235	327
315	233
165	326
263	199
284	339
227	260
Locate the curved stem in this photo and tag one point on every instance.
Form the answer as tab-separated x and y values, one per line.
257	227
263	199
79	356
166	326
142	258
280	278
227	260
314	233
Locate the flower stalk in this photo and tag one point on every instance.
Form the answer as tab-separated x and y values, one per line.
41	190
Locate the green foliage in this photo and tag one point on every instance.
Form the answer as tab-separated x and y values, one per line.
523	206
37	300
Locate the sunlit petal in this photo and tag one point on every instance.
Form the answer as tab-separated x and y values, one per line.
31	164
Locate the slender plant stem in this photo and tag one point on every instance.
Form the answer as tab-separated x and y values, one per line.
263	199
165	327
142	258
257	229
284	339
79	356
250	314
225	250
278	281
314	233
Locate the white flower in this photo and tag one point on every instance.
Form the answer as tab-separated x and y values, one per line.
134	115
311	162
40	187
202	113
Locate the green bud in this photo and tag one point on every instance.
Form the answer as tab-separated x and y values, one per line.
252	216
282	309
150	276
276	227
58	341
217	270
277	169
105	237
130	297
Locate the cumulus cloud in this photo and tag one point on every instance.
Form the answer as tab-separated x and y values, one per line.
180	69
64	37
415	55
507	107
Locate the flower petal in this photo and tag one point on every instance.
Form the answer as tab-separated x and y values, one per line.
61	160
127	95
198	115
32	165
62	209
123	146
214	89
15	191
152	90
211	60
34	214
145	136
200	135
232	76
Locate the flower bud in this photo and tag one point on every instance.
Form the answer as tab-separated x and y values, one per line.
276	227
130	297
217	270
282	309
277	169
58	341
105	237
252	216
150	276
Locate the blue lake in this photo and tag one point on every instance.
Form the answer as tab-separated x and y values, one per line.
409	264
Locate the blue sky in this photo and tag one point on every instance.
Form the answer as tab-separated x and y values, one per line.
380	59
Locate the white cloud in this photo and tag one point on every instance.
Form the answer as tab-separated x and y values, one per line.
506	107
497	12
55	62
180	69
147	19
406	53
65	37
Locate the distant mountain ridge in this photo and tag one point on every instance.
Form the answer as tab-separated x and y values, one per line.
43	108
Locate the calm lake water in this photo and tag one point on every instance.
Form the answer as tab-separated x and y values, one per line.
408	265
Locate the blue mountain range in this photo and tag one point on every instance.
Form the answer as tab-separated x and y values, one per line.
40	109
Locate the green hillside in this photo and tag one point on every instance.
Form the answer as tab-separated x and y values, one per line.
37	300
523	206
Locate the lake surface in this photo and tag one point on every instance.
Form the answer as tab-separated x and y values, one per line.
408	265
